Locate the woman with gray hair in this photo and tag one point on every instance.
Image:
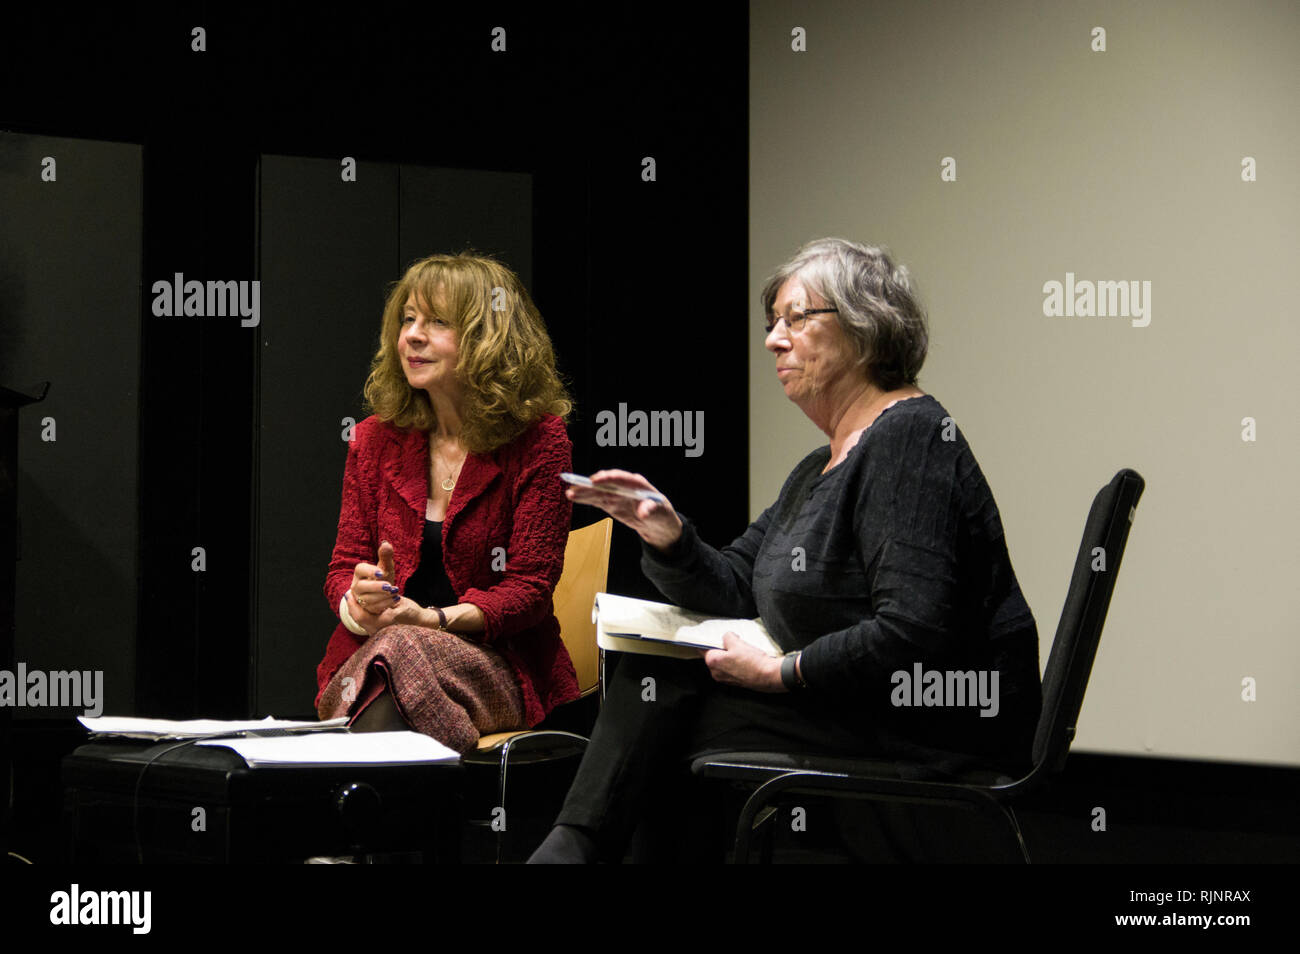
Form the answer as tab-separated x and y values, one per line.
880	569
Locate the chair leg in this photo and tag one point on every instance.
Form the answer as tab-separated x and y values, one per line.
767	793
1007	814
1010	814
748	820
768	823
601	678
744	826
501	797
504	839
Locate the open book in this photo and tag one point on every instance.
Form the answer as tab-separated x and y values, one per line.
659	629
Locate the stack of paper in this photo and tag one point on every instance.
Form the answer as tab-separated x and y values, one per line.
340	747
129	727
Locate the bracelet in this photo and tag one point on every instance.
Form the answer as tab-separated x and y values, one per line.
790	676
352	625
442	617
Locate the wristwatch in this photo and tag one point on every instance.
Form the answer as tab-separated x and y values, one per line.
790	676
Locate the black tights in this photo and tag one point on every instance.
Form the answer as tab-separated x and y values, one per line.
380	716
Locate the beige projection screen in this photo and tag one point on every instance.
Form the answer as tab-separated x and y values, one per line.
997	148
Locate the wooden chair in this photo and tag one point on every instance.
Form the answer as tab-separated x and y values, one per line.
586	572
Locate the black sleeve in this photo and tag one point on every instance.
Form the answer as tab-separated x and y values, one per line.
698	577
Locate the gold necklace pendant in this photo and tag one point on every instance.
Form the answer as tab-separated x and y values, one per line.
447	482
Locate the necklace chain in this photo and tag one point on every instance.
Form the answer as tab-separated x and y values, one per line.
449	482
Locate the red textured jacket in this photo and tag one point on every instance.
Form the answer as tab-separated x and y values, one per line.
510	498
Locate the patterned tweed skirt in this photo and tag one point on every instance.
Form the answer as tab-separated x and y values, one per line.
444	686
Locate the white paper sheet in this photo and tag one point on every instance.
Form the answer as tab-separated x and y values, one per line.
339	747
130	727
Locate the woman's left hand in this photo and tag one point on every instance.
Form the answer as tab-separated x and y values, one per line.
403	611
740	664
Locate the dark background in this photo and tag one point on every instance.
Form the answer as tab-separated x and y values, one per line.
177	432
182	423
239	148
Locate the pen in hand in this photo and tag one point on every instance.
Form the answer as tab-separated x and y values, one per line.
579	481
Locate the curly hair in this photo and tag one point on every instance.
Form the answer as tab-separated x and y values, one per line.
506	363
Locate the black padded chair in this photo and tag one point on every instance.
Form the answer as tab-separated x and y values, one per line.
779	774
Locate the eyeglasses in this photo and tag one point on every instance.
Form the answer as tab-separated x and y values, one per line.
796	319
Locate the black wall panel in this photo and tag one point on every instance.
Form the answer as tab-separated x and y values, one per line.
452	210
70	303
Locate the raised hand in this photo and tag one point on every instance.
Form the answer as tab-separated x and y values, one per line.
656	523
374	588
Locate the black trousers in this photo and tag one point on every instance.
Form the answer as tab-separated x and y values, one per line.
660	713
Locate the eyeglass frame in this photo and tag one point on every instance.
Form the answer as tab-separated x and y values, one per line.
790	326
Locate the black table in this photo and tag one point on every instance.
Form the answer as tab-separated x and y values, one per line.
131	801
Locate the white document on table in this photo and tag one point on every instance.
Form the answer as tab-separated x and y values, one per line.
339	747
130	727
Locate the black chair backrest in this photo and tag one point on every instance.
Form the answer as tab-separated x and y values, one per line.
1075	645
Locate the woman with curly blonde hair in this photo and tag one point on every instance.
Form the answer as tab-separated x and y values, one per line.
453	521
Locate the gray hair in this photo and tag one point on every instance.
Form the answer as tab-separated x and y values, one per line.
877	305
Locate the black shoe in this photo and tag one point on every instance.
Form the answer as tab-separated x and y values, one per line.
565	845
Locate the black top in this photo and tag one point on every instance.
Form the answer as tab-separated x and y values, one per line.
429	585
894	558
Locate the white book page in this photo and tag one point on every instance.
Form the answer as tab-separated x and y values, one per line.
710	633
624	616
618	614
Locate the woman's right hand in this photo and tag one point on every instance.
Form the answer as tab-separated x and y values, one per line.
373	588
655	523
